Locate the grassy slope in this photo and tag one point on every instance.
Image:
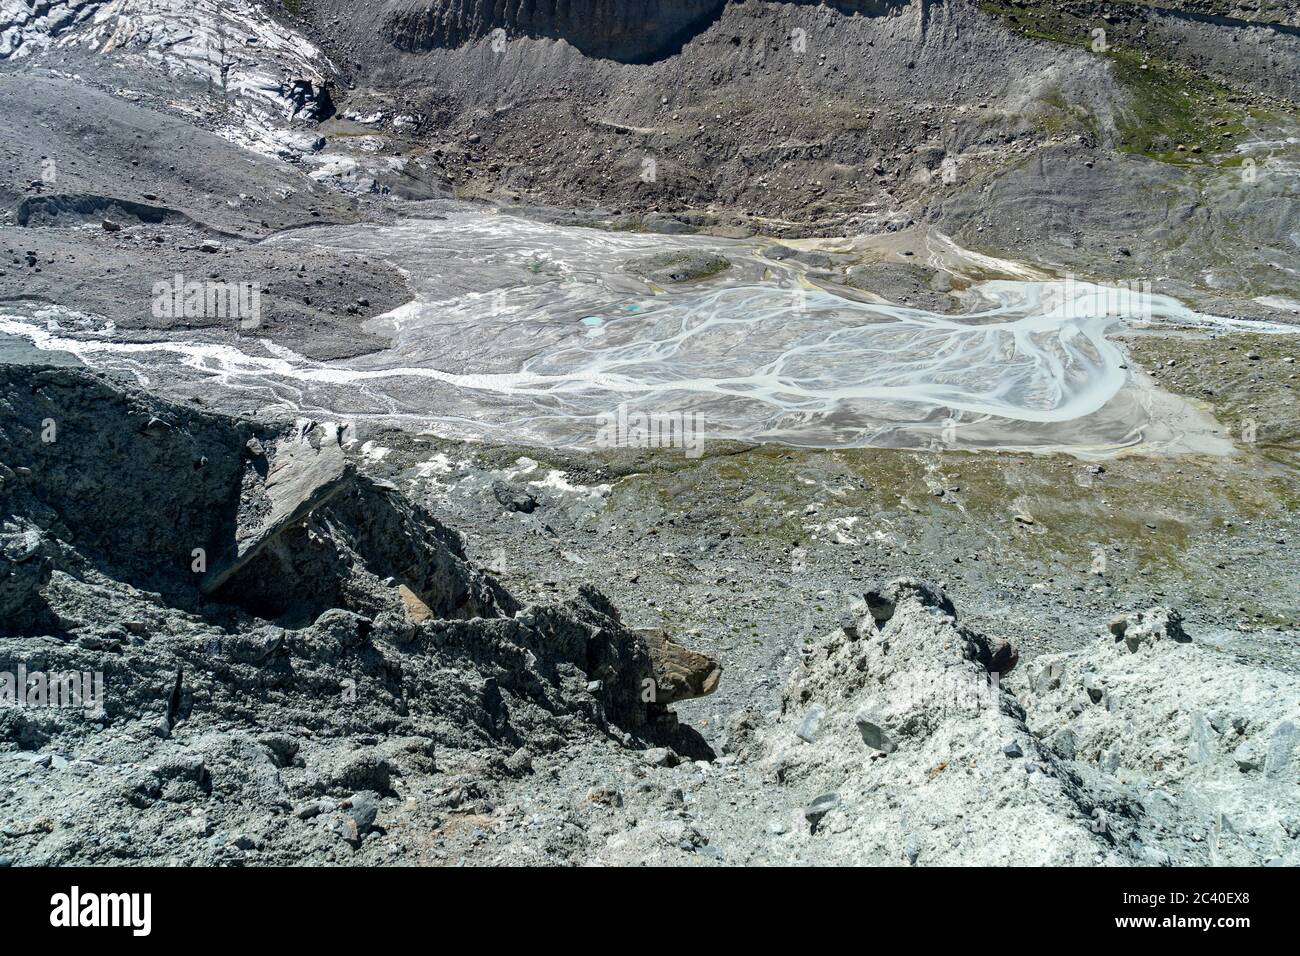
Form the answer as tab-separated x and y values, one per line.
1170	105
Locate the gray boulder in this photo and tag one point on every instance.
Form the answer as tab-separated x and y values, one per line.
1145	627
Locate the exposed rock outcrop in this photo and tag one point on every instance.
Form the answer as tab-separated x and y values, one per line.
342	642
1146	627
1192	754
902	743
911	735
679	672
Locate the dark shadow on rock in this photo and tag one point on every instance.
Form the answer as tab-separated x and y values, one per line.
633	32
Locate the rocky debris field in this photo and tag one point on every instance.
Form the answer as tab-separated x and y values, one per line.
319	673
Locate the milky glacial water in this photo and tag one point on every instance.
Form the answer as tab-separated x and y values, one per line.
528	332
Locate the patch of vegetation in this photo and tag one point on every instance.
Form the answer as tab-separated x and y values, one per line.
1159	522
1247	381
1171	105
1062	116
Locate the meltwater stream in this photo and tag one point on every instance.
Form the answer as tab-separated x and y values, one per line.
528	332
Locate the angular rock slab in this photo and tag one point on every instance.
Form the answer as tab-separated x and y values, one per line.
308	470
679	673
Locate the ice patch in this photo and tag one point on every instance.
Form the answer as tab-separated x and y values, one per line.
373	452
439	464
559	481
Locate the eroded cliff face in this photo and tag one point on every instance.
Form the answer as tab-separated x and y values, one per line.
629	32
841	118
633	32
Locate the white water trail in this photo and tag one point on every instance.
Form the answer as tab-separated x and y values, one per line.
528	332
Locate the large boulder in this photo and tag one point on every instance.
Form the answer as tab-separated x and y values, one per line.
679	672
